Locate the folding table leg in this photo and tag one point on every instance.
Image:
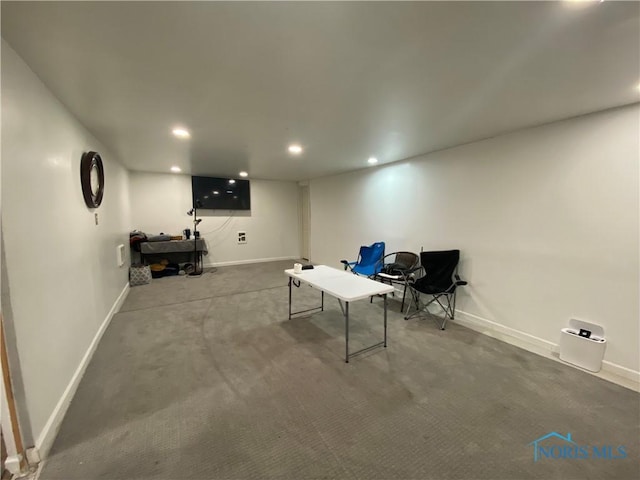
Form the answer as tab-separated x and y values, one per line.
289	298
385	320
346	331
345	311
297	284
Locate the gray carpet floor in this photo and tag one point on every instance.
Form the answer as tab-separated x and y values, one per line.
205	378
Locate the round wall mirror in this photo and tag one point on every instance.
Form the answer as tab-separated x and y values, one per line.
92	179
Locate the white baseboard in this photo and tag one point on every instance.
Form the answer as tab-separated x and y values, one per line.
623	372
610	371
50	430
254	260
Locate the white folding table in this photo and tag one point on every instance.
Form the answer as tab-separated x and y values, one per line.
346	287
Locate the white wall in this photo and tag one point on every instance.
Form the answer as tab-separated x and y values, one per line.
159	203
546	220
62	275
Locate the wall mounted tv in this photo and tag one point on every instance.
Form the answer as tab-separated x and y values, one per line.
221	193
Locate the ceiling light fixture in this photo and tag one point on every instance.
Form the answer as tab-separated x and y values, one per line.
243	174
232	181
181	133
372	160
175	169
295	149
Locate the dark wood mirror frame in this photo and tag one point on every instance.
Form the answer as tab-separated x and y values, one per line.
92	194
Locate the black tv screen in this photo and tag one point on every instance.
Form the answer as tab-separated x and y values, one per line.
221	193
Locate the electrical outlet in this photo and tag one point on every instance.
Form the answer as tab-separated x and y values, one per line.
242	237
96	217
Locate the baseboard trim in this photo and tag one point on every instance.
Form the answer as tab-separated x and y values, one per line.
621	371
50	430
610	371
254	260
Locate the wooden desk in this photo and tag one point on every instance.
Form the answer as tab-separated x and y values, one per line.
174	246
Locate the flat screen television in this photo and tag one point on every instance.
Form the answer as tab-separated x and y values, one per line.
221	193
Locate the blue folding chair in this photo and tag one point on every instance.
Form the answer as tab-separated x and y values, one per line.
370	260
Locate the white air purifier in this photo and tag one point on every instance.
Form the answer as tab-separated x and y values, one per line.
582	344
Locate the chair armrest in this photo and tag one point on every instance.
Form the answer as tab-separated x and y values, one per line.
411	277
404	275
347	264
390	277
459	281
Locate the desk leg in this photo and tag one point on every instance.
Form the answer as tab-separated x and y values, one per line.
345	312
346	331
289	298
297	284
385	320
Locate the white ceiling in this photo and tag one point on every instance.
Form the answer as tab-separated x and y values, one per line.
345	80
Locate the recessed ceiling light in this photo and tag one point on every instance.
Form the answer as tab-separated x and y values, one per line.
232	181
295	149
243	174
372	160
215	192
181	133
176	169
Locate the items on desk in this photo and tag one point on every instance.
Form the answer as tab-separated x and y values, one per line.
298	267
136	237
162	237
